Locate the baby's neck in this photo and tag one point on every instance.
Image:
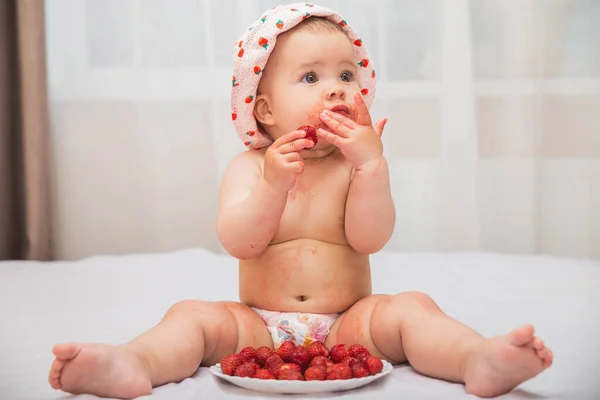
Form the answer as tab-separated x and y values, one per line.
318	154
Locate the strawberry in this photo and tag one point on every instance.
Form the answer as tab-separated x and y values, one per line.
316	373
241	53
373	74
290	372
350	361
374	365
265	374
317	349
240	43
285	350
358	42
262	42
248	369
233	116
339	371
364	91
311	133
279	24
257	70
362	357
249	99
273	363
300	356
248	353
288	366
251	133
357	349
358	371
342	23
338	352
320	360
262	353
230	363
364	63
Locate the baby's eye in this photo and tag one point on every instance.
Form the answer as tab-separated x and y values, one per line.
310	77
346	77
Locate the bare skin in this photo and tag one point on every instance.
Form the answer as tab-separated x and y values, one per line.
317	214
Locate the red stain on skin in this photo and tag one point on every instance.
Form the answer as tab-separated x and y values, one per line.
286	272
313	114
353	113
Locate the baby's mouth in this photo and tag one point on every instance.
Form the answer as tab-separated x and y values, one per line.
342	110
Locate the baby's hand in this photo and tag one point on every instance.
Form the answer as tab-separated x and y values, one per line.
360	141
283	162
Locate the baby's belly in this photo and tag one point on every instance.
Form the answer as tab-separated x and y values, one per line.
305	275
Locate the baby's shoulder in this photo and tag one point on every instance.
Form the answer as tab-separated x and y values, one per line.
247	160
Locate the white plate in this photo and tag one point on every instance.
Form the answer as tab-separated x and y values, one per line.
276	386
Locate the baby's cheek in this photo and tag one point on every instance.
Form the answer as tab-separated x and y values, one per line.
313	114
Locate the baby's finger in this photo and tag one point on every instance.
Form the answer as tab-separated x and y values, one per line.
332	138
288	137
296	145
298	167
379	126
363	117
291	157
338	123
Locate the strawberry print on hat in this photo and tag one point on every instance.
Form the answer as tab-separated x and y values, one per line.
251	53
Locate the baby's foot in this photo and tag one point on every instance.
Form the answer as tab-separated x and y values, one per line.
504	362
100	369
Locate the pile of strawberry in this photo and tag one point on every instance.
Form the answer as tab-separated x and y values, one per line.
312	363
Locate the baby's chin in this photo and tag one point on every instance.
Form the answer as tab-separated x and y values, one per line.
320	150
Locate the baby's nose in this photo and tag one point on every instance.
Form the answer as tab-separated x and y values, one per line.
337	91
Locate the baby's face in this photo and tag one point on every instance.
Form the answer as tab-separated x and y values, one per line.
307	72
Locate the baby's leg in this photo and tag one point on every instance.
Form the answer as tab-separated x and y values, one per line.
191	333
410	326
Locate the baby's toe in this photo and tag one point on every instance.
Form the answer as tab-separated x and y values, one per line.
547	361
54	374
538	344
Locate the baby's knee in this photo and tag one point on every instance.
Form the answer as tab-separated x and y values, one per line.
415	298
194	307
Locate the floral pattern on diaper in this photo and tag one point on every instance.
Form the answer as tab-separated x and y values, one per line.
301	328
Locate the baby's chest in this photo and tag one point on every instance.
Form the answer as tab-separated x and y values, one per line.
317	203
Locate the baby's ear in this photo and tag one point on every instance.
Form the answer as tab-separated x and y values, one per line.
262	111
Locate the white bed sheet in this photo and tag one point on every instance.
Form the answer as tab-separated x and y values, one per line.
112	299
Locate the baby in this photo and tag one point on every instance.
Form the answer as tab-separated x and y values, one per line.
302	218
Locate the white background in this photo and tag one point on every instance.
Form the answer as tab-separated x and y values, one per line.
493	136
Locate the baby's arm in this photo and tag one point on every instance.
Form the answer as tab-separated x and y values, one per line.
370	211
249	208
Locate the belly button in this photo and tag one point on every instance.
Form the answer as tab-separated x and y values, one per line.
301	298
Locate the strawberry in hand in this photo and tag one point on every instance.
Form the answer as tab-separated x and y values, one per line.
359	141
283	162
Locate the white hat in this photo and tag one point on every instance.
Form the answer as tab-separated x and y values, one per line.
252	51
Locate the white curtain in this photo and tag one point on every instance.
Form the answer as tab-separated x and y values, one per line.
493	136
